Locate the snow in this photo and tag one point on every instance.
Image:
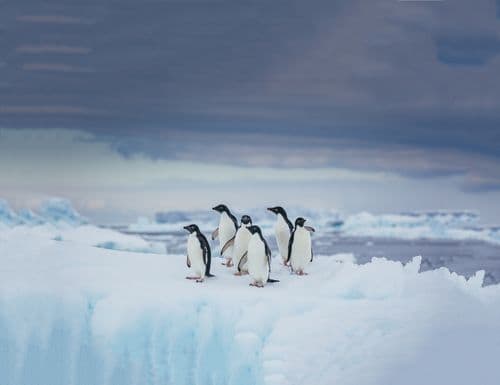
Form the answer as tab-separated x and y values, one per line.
433	225
58	220
60	210
75	314
7	216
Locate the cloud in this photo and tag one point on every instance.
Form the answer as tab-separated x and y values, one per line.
54	19
35	164
382	86
49	48
50	110
55	67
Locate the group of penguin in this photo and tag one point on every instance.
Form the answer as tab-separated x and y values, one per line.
244	247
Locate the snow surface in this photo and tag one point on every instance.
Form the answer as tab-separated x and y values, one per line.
75	314
58	220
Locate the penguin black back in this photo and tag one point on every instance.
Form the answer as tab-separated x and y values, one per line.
280	210
221	208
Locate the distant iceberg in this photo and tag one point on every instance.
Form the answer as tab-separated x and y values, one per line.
59	221
7	216
60	211
30	218
461	225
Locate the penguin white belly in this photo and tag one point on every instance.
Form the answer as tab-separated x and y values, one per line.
282	236
195	254
301	249
226	232
241	244
257	260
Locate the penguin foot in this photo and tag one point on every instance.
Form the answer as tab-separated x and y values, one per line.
229	263
300	272
238	273
256	285
197	278
200	280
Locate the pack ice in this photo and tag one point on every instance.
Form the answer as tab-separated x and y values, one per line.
71	313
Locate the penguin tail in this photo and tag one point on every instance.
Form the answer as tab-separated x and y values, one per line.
209	275
270	280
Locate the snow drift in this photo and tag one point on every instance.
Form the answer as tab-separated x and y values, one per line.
58	220
73	314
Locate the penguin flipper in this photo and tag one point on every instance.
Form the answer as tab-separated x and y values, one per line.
310	229
290	243
270	280
215	234
243	260
311	255
227	245
188	262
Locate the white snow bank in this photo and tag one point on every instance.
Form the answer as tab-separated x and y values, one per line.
56	211
84	235
58	220
72	314
461	225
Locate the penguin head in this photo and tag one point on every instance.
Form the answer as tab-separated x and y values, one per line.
192	228
300	222
221	208
278	210
254	229
246	220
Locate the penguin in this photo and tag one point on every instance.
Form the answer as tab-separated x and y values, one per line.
283	229
198	254
225	232
241	240
299	247
258	258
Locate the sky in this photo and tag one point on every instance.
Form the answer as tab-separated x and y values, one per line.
130	107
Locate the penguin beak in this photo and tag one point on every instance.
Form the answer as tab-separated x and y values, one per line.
270	209
186	228
215	208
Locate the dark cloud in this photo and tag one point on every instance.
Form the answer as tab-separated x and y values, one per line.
467	50
200	79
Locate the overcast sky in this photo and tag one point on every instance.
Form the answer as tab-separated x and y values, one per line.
129	107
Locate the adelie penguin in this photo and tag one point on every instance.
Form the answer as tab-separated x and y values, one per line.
258	258
225	232
299	248
283	229
241	240
198	254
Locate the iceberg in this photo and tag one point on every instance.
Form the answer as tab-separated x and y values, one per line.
461	225
30	218
59	221
7	216
59	211
75	314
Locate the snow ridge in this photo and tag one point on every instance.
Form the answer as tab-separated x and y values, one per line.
72	314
